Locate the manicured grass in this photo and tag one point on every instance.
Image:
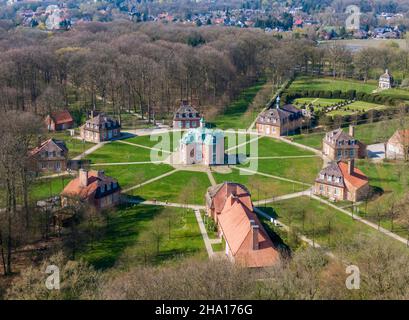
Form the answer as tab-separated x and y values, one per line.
131	175
269	147
75	146
313	140
376	132
357	107
237	115
167	141
396	93
133	233
119	152
330	84
260	187
316	102
46	188
301	169
391	181
319	222
181	187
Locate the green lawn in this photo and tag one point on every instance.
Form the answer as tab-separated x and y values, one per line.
319	222
356	107
46	188
269	147
167	141
396	93
377	131
131	175
316	102
313	140
391	180
330	84
181	187
301	169
237	114
134	234
260	187
119	152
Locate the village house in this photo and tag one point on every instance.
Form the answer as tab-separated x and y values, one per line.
279	121
385	80
247	242
202	146
50	155
342	181
59	120
338	145
100	128
186	116
397	147
92	187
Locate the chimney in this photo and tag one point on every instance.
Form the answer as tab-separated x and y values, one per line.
92	114
39	141
254	235
351	166
351	130
101	174
83	175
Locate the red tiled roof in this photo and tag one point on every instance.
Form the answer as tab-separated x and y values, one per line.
75	189
358	179
400	137
60	144
60	117
235	224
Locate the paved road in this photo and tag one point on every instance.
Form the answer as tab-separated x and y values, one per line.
283	197
90	150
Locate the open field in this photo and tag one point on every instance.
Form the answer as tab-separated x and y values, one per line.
268	147
140	235
132	175
167	141
357	107
260	187
119	152
313	140
330	84
317	221
181	187
316	102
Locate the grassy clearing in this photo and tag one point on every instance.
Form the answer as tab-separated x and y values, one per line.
119	152
260	187
317	221
317	102
313	140
167	141
46	188
237	114
269	147
181	187
131	175
140	235
376	132
302	169
330	84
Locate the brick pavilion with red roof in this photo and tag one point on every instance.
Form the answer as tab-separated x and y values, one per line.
342	181
59	120
93	187
247	242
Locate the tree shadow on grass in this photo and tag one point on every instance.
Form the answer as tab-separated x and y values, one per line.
121	231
